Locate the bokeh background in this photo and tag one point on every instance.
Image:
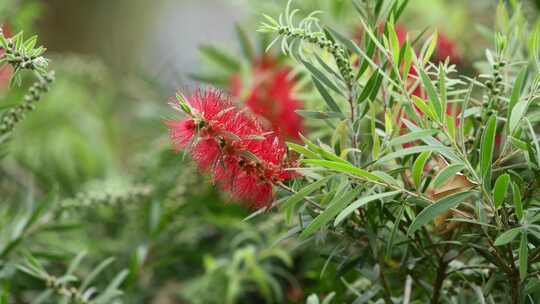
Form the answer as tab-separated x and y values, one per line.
98	149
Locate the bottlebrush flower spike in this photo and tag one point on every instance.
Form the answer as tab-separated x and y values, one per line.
270	96
6	70
241	156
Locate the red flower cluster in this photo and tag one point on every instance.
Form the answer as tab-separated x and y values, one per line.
242	157
270	96
6	70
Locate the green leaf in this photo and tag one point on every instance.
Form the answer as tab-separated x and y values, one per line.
413	150
302	150
418	167
371	85
516	195
507	236
301	194
322	77
325	95
395	228
432	93
338	203
426	108
486	150
346	168
439	207
518	112
445	174
319	114
500	189
360	203
516	90
412	136
523	256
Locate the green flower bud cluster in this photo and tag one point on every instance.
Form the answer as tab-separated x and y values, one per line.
73	294
319	39
16	114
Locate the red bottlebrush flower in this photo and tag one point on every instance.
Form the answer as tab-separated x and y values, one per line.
270	96
446	48
243	158
6	70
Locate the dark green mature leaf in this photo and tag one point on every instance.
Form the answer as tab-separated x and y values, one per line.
418	167
372	84
445	174
322	77
325	95
507	236
500	189
516	195
486	150
301	194
338	203
523	256
439	207
360	203
346	168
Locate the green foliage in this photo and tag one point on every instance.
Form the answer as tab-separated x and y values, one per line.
418	179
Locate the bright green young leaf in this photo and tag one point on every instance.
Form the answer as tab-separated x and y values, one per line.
500	189
432	93
344	168
439	207
507	236
418	167
359	203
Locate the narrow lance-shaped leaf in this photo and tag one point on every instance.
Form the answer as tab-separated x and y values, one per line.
412	136
523	255
516	90
445	174
418	167
344	168
500	189
326	96
432	93
439	207
302	193
486	151
361	202
507	236
339	202
516	195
